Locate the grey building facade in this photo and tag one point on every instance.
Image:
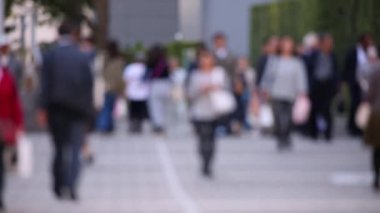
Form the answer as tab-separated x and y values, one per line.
151	21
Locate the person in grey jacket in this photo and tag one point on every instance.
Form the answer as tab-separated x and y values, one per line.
283	82
207	79
66	104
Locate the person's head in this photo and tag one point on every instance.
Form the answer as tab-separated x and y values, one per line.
156	54
287	46
70	28
310	41
220	41
113	49
271	45
243	63
206	61
174	63
139	57
366	40
4	45
199	49
326	41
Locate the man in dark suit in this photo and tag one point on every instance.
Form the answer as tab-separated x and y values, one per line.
323	78
356	58
66	105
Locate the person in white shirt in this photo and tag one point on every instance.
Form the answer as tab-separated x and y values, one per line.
137	93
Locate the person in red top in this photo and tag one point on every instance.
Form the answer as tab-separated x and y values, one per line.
11	120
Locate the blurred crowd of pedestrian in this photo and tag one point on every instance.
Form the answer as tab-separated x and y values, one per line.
293	87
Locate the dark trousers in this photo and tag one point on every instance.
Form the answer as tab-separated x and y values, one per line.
105	121
376	164
322	98
206	137
68	131
240	114
283	122
356	99
138	112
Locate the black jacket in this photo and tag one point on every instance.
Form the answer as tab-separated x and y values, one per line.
312	67
67	81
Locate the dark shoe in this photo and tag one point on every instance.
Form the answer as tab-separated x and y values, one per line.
74	196
2	207
89	159
376	186
206	171
57	190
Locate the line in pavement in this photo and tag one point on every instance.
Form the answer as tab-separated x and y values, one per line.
179	193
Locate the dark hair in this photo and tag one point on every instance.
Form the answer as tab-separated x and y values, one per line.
323	35
219	35
68	27
156	54
89	39
113	49
279	52
365	36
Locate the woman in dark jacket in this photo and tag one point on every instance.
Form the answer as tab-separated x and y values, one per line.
372	133
11	121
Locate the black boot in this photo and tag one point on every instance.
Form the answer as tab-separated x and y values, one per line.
376	186
206	170
57	190
2	206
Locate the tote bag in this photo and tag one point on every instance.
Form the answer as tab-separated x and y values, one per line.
363	114
301	110
266	117
222	100
25	156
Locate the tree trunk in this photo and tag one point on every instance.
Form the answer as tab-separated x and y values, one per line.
101	29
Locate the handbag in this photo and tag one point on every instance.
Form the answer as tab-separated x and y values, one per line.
363	114
266	117
223	102
24	156
301	110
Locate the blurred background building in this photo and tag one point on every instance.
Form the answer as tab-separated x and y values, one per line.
150	21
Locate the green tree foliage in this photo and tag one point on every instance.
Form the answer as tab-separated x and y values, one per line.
57	8
345	19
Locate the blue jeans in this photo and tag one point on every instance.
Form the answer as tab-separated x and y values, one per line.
68	131
105	120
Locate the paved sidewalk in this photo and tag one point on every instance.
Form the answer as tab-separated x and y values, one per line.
153	174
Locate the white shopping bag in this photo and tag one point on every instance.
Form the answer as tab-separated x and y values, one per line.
266	118
120	110
363	115
24	156
301	110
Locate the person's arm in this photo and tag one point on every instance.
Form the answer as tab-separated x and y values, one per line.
302	82
45	82
267	79
348	66
373	88
17	114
